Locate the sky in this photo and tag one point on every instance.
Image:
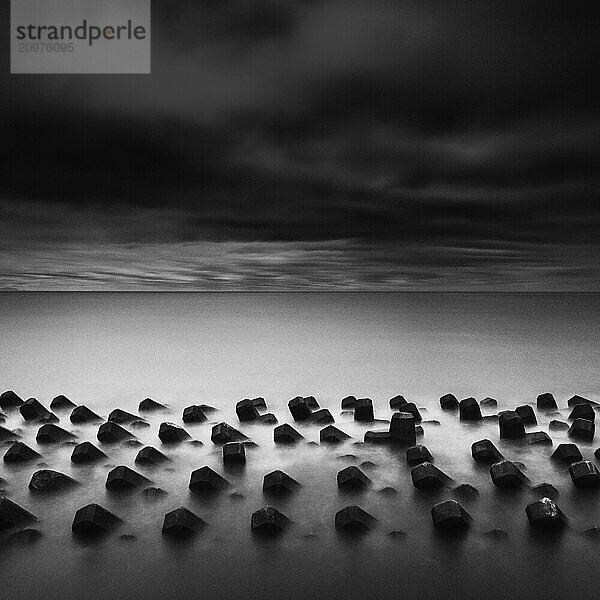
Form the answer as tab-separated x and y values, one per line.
314	145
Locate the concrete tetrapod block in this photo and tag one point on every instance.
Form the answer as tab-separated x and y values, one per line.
354	518
352	478
278	482
269	521
484	451
93	519
449	402
545	514
450	516
86	452
182	522
207	481
511	425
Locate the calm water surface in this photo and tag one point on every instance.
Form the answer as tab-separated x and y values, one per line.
113	350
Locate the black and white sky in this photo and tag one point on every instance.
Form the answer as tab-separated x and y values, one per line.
314	145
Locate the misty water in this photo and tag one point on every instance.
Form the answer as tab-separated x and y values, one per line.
113	350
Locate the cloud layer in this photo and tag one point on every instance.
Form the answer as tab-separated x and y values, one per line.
297	144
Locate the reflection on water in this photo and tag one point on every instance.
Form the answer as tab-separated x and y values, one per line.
113	350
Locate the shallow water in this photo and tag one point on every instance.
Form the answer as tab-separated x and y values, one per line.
113	350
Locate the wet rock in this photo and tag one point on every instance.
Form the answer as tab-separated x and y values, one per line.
10	400
410	407
128	537
484	451
153	493
111	433
182	522
450	516
427	477
567	453
597	454
555	425
299	408
259	403
53	434
348	402
124	478
351	457
149	405
311	402
122	416
20	452
465	491
363	410
387	491
402	428
418	454
322	417
268	520
286	434
139	425
332	435
169	433
538	438
546	402
582	429
207	481
367	464
469	410
575	400
193	414
48	417
234	453
278	482
150	456
352	478
93	519
545	514
378	437
545	490
584	474
397	402
82	414
511	425
431	422
25	536
206	408
449	402
583	411
222	433
86	452
246	411
50	481
7	435
267	419
354	518
13	515
527	414
506	474
32	410
489	403
62	403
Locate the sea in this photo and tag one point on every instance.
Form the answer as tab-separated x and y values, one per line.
112	350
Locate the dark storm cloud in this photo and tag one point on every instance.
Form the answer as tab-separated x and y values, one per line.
408	144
